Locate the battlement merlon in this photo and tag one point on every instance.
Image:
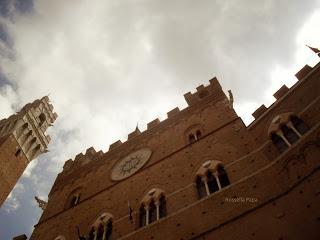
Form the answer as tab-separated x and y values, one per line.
81	159
213	89
282	92
29	125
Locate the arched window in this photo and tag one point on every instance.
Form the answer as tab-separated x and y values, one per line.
301	127
211	177
223	176
152	212
286	129
198	134
212	182
42	118
162	207
194	133
192	138
101	229
279	142
74	198
153	207
91	234
99	232
142	216
289	134
109	230
201	187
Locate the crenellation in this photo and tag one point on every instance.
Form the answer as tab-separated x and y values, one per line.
303	72
202	92
173	112
200	88
190	98
281	92
81	159
259	111
115	145
67	165
135	133
100	153
90	151
78	158
153	123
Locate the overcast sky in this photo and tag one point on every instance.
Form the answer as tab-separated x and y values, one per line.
108	65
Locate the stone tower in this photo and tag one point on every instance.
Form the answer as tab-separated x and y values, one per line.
22	139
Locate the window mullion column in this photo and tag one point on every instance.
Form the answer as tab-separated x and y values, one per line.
294	129
147	214
95	234
216	175
284	138
104	236
157	203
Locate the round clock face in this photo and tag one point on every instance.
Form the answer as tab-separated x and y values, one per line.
130	164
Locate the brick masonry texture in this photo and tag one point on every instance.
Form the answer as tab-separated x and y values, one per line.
271	195
22	139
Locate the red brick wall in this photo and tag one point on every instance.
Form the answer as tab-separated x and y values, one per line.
254	166
11	166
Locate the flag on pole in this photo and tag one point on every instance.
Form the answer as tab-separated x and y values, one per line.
315	50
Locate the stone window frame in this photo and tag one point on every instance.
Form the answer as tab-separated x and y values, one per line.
194	133
101	229
207	173
283	132
60	237
153	205
42	118
73	198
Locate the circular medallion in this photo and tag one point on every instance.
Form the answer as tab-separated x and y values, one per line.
130	164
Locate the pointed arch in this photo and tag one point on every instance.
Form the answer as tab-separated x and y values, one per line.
211	177
101	229
153	207
299	124
285	129
73	198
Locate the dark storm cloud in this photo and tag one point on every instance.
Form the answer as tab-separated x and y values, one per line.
110	64
10	7
3	80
